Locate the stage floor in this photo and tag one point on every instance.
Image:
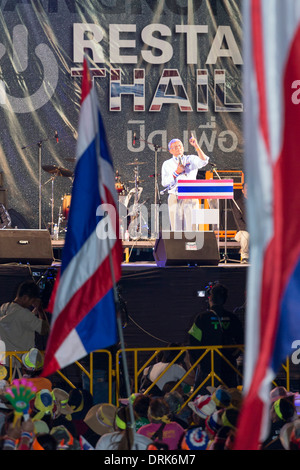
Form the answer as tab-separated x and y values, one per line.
161	302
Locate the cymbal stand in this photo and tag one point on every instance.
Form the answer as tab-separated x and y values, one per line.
225	258
52	202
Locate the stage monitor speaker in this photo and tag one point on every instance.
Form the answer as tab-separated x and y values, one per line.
186	248
26	246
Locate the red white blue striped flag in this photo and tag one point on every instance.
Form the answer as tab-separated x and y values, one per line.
205	189
82	303
272	155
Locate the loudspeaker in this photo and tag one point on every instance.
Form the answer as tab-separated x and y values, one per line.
186	248
26	246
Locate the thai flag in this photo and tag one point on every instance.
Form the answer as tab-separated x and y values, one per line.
82	303
272	155
205	189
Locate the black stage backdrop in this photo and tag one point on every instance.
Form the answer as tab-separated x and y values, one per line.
163	302
162	68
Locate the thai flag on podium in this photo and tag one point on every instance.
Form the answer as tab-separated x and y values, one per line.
205	189
82	302
272	155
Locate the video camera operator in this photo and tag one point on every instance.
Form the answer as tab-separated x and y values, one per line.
216	327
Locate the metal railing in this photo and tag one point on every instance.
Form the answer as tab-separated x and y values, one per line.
138	360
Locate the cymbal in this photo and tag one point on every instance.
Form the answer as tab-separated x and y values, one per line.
72	160
57	170
136	163
139	181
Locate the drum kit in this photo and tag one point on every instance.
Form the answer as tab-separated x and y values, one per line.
130	214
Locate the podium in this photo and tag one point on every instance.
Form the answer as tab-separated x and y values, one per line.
209	190
205	189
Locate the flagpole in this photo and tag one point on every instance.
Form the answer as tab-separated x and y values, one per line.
117	305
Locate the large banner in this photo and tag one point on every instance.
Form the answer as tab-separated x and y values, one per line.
162	69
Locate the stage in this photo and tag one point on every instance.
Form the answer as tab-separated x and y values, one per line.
161	302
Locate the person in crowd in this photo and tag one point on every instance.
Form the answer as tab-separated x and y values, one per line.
282	411
32	365
100	420
182	416
224	437
22	318
195	439
63	411
212	327
202	406
290	435
161	427
181	166
173	373
140	406
124	436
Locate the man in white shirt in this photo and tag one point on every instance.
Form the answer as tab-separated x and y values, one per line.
181	166
18	323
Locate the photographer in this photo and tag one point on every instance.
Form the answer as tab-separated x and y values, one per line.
216	327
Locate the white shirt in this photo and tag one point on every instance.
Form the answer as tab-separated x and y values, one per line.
173	374
18	326
192	164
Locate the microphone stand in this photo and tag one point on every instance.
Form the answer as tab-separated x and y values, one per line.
225	256
39	144
156	188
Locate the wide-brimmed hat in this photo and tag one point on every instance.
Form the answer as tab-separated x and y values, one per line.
44	404
280	392
33	359
221	397
290	435
100	418
61	401
203	406
236	399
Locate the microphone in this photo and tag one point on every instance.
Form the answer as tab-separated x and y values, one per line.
56	136
134	136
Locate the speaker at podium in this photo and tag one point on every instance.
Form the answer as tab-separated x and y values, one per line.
186	249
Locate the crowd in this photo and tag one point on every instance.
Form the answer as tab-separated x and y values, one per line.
35	414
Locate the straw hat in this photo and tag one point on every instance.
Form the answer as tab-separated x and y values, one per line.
100	418
61	401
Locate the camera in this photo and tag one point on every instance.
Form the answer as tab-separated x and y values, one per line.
200	293
206	292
